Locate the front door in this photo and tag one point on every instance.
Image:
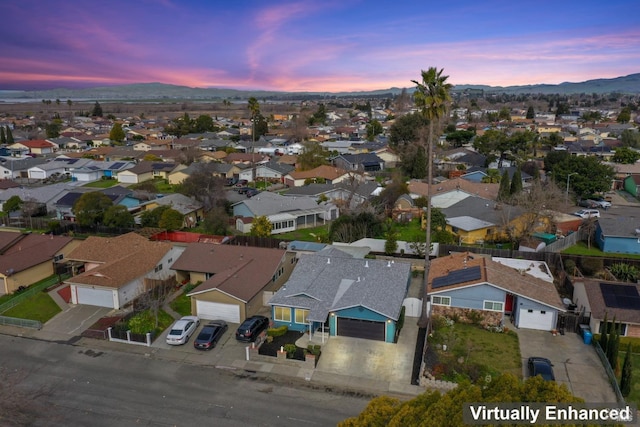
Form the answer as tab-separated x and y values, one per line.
508	304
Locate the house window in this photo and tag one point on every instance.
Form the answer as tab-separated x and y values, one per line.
58	257
158	268
282	314
493	305
438	300
301	315
623	328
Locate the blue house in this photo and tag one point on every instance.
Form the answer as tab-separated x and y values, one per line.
332	292
618	235
460	284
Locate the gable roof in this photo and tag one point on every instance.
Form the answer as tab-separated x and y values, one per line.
239	271
493	273
488	191
598	306
122	258
324	171
19	252
179	202
268	203
323	284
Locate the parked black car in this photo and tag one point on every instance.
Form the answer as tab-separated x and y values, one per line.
210	334
541	366
243	190
251	328
231	181
252	192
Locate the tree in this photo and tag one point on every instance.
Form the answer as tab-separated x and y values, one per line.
604	336
614	346
10	139
392	192
505	185
624	116
391	243
117	134
531	114
516	183
97	110
118	216
171	220
53	129
630	138
12	204
591	175
3	137
204	123
460	137
626	378
216	222
90	208
405	137
312	156
625	155
204	186
403	101
434	409
373	128
151	218
261	227
432	97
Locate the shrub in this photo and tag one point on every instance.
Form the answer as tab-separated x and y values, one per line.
570	267
313	349
475	317
400	322
277	332
290	349
590	266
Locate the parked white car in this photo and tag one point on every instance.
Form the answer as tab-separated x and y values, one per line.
601	203
182	329
588	213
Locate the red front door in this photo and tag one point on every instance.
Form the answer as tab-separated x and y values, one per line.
508	304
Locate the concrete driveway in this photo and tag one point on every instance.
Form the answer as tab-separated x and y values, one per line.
374	361
74	319
574	363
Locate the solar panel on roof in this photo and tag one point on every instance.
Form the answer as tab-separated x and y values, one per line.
457	276
620	296
117	165
72	161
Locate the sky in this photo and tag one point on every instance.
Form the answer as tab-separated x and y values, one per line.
315	45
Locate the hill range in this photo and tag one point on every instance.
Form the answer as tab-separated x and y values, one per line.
166	92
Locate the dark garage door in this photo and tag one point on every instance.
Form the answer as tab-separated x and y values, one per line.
357	328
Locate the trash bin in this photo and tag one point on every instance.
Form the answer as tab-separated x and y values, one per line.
583	329
587	337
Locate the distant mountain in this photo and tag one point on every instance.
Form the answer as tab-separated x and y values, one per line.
160	92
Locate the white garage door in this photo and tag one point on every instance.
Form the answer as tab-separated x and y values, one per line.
127	179
536	319
215	310
99	297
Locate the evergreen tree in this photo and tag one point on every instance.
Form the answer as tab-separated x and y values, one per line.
626	377
9	136
516	183
3	138
117	134
505	185
604	336
531	114
97	110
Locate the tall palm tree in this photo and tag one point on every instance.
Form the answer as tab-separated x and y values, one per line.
432	97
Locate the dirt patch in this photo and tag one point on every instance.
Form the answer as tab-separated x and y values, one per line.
272	348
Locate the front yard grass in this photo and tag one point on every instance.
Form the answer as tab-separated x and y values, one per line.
103	183
306	234
473	353
38	307
182	305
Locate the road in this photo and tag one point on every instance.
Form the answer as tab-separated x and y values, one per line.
85	387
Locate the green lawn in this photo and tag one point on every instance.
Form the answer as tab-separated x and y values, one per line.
473	352
38	307
306	234
581	249
634	396
408	231
182	305
106	183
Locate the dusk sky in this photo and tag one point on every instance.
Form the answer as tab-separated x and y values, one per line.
317	45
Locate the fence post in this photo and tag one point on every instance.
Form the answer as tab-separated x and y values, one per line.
148	339
128	335
109	332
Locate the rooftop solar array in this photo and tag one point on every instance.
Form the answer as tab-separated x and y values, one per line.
117	165
457	276
620	296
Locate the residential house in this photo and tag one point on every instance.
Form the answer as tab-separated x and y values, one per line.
341	194
46	195
35	146
56	167
598	299
145	171
235	280
18	167
631	184
117	194
113	271
364	162
620	234
330	291
26	258
192	211
322	174
273	171
96	170
484	190
495	289
285	213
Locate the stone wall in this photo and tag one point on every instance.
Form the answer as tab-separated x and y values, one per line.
488	318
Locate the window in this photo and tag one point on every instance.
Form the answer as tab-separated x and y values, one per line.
493	305
58	258
282	314
438	300
158	268
623	328
301	315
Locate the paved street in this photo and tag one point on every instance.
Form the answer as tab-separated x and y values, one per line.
109	388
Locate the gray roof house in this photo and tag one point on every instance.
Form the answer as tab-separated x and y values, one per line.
335	293
355	194
285	213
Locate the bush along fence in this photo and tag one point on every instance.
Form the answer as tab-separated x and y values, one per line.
128	337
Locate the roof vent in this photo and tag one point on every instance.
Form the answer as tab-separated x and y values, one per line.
366	264
388	263
328	260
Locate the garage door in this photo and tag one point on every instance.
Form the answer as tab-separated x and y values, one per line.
99	297
357	328
215	310
536	319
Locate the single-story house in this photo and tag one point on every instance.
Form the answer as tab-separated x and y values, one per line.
620	234
234	280
146	170
192	210
113	271
330	291
613	299
364	162
495	288
26	258
35	146
273	170
322	174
